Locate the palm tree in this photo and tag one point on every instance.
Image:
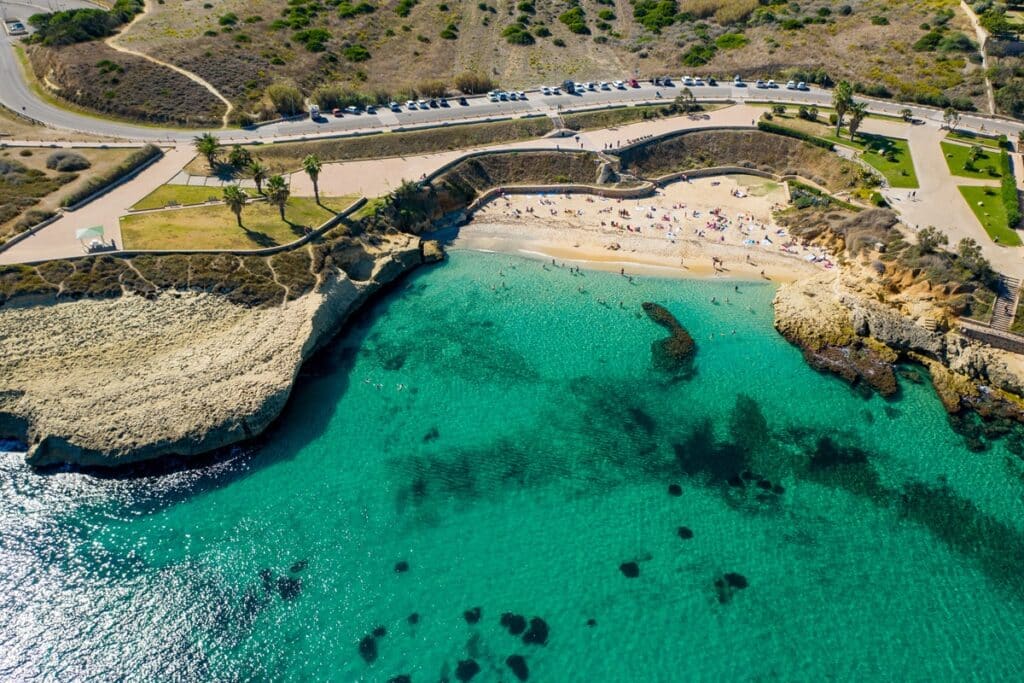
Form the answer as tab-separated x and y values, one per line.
208	146
311	165
235	199
259	174
842	98
858	110
278	193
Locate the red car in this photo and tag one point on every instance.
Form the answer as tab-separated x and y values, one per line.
337	113
632	83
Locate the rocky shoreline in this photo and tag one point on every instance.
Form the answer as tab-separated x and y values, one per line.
116	381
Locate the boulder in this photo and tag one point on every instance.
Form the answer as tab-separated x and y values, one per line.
630	570
537	633
432	251
515	623
466	670
517	663
472	616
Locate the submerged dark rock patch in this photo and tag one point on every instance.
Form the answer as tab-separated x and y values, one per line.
466	669
675	490
472	616
380	632
675	353
630	570
288	588
400	678
432	435
537	633
299	566
728	584
685	533
591	622
517	663
368	649
413	618
401	567
515	623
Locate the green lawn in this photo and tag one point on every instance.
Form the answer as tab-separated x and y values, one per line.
214	226
891	156
973	139
874	149
180	195
985	168
988	207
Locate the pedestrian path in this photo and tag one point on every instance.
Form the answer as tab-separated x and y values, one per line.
185	178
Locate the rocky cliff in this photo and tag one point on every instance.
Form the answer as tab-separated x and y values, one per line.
113	381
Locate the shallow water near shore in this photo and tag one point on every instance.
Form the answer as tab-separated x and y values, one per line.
497	424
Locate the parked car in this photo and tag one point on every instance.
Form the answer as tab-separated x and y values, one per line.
411	104
433	103
760	84
371	110
667	82
463	102
556	90
423	104
352	109
687	81
522	95
591	86
513	96
503	96
791	85
337	113
605	85
697	81
493	97
314	112
443	102
620	85
712	81
772	84
738	82
633	83
656	80
802	86
395	106
545	90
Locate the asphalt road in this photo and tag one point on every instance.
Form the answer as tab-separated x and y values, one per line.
17	96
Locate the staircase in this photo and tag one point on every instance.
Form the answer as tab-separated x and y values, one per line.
1005	307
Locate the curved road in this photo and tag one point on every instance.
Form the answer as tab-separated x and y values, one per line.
19	97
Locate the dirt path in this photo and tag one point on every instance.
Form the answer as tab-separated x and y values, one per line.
982	36
112	42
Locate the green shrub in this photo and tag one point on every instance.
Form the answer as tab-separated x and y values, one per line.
356	53
1008	191
699	55
655	15
731	41
347	9
104	180
516	34
575	20
315	39
81	25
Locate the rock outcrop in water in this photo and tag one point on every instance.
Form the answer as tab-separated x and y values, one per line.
113	381
675	353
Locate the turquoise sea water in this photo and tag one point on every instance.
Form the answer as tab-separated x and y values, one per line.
498	426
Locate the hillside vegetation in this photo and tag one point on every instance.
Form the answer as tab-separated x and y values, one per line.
917	50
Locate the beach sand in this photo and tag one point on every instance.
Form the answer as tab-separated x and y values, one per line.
667	235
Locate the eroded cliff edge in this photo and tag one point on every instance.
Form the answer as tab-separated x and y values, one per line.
890	301
111	381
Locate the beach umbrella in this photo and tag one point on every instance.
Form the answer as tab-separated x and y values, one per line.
95	232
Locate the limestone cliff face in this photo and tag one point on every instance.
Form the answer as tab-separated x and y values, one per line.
115	381
836	319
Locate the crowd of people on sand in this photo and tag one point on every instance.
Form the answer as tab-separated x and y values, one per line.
679	221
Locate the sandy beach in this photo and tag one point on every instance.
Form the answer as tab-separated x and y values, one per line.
707	227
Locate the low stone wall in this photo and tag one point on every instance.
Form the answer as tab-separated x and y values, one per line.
991	336
31	231
645	190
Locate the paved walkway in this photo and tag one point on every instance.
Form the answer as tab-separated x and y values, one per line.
376	177
938	201
57	240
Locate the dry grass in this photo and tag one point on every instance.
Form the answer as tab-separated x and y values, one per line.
406	51
215	227
17	200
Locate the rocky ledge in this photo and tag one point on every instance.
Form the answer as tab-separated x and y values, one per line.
836	320
113	381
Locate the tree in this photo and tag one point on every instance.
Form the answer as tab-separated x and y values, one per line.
235	199
685	101
278	193
259	173
858	111
929	239
239	157
812	113
207	146
951	118
970	257
311	165
907	114
842	98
